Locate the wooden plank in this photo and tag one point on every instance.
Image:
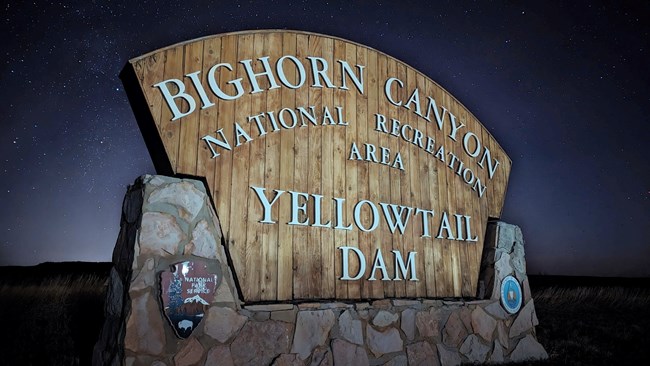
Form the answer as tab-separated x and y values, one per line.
376	289
404	187
418	178
491	187
206	165
240	169
170	130
485	200
470	205
257	250
429	194
443	261
189	125
328	245
453	181
433	249
223	169
506	165
151	70
287	171
361	122
395	178
302	259
351	168
462	207
270	242
339	171
477	213
386	237
407	193
314	178
419	186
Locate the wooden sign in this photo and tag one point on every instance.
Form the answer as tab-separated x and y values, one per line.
337	172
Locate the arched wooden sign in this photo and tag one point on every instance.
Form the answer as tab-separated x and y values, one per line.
338	172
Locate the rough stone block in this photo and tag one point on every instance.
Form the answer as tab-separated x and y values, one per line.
225	295
528	349
183	195
384	318
261	316
497	353
361	306
526	289
258	343
524	321
322	356
346	353
350	328
160	235
465	314
448	356
474	349
421	354
518	261
145	323
270	307
312	329
502	333
146	277
223	323
454	331
287	359
381	304
428	323
190	354
399	302
287	316
483	324
203	243
219	355
505	236
408	323
502	269
384	342
496	310
399	360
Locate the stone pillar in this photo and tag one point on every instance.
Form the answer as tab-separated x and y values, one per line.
504	256
165	221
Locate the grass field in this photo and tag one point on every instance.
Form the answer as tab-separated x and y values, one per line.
52	314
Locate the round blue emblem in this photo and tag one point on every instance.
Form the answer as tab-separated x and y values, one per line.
511	294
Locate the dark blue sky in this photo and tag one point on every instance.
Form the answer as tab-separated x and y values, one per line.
563	88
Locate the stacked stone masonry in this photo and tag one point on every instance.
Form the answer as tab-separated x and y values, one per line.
167	220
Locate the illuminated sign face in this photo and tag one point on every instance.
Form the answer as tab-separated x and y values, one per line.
337	172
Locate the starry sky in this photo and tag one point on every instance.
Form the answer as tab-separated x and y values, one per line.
562	86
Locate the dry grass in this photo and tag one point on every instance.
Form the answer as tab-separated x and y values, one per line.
594	325
611	297
52	322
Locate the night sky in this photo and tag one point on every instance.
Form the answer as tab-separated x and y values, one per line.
564	88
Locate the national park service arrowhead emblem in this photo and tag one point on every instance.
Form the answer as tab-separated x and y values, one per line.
186	290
